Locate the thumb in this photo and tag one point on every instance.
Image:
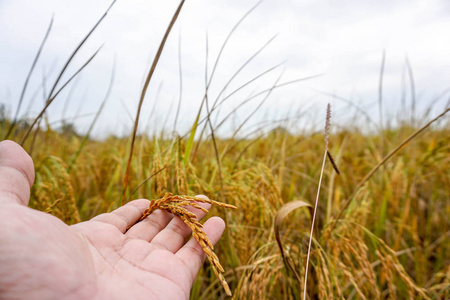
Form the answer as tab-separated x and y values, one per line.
16	173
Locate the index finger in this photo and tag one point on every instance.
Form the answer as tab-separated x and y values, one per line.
125	216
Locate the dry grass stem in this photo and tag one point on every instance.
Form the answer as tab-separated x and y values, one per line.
327	132
141	101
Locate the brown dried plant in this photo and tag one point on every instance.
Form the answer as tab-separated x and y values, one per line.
176	205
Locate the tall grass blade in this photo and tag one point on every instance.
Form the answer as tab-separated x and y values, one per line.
380	100
22	94
413	91
269	90
144	91
73	88
181	85
257	107
86	136
208	82
226	41
215	105
242	68
145	180
61	73
50	100
190	142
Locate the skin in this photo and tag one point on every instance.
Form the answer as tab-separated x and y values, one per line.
43	258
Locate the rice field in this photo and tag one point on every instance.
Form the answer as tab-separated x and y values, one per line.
391	242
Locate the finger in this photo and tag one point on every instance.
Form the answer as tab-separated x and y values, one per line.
125	216
192	253
176	233
157	229
16	173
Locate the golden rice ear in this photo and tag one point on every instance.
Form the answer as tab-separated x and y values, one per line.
176	205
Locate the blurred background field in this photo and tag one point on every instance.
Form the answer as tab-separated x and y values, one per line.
391	240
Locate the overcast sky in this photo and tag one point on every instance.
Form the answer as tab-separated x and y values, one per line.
343	41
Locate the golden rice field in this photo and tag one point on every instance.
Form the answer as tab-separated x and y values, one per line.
392	241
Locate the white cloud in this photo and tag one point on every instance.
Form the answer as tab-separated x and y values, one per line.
344	40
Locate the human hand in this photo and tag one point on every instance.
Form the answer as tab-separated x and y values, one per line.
43	258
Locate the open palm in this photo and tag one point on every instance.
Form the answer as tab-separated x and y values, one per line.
43	258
